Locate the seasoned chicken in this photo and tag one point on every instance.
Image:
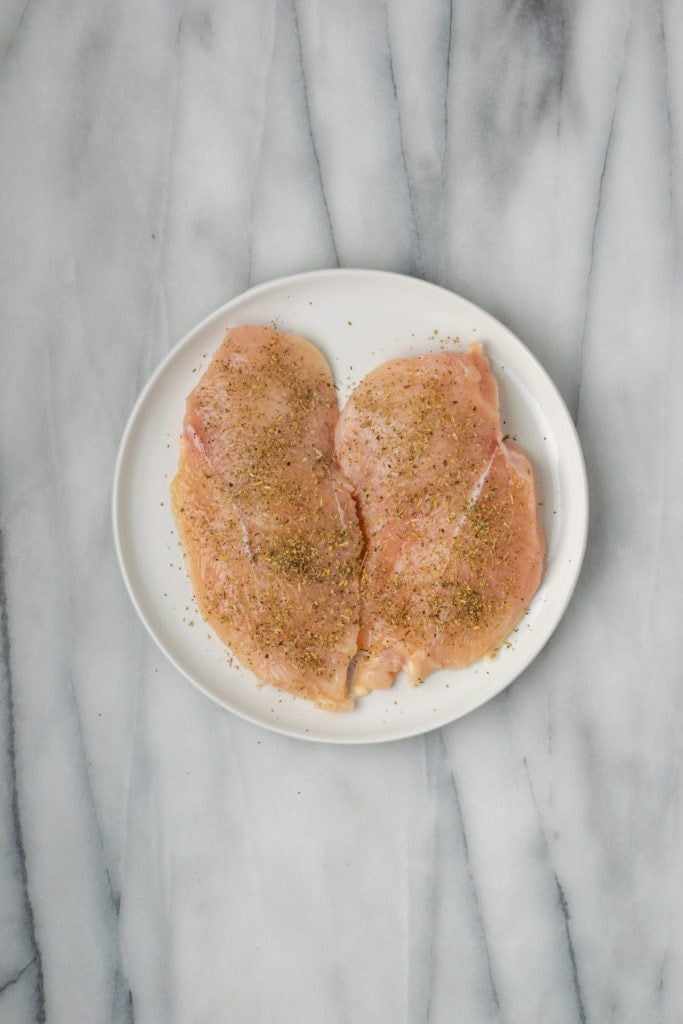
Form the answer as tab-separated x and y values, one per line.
454	548
267	522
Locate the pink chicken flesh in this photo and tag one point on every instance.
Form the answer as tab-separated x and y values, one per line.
454	549
268	524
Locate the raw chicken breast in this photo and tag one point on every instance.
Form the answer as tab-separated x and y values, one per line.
267	522
454	547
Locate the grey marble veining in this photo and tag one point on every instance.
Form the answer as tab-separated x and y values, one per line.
163	861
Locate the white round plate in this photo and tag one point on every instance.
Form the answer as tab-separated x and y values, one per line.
358	318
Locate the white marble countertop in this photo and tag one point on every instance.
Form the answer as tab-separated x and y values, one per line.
164	861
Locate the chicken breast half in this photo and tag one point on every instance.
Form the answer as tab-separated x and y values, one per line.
267	522
454	548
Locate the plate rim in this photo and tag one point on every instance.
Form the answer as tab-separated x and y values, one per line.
116	512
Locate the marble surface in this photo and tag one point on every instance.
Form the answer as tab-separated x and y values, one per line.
163	861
